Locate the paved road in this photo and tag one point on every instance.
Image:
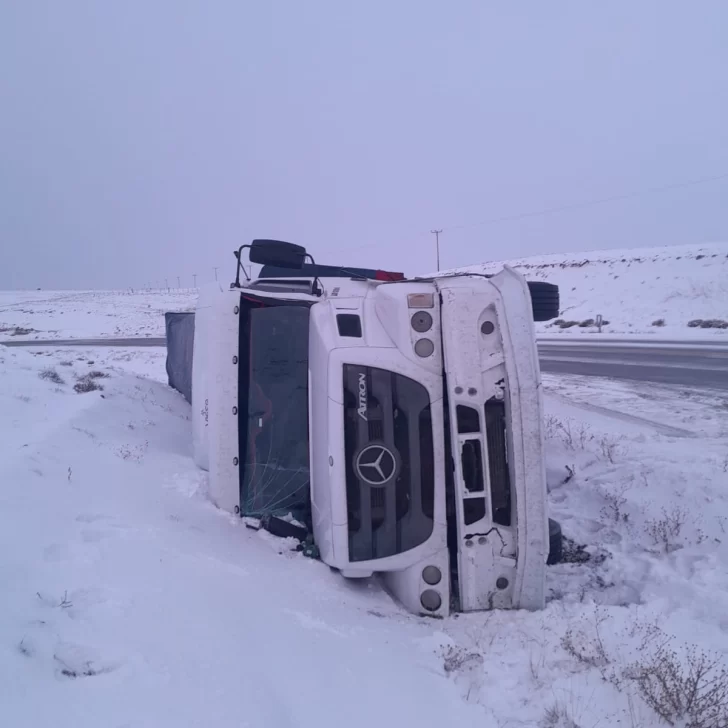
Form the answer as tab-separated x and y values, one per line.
696	364
700	364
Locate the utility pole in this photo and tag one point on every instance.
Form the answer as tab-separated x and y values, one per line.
215	269
179	282
166	283
194	280
436	233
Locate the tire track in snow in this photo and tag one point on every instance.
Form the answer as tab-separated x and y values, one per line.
668	430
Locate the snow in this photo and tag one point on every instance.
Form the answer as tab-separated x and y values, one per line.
633	288
130	600
630	288
88	314
644	488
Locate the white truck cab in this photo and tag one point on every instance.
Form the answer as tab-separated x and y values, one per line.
399	420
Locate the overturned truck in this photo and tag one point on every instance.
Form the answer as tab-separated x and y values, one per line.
398	421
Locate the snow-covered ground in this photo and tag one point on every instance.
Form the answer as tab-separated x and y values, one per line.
631	289
130	600
88	314
634	289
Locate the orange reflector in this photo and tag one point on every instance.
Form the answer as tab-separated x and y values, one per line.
421	300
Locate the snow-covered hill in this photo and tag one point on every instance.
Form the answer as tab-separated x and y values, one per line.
88	314
651	290
128	599
644	290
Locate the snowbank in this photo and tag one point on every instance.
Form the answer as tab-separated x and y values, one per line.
645	290
128	599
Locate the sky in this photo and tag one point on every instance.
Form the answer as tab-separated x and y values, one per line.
146	140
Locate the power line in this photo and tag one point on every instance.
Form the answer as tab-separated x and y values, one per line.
590	203
569	206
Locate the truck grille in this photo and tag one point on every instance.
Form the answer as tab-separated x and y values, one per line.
390	480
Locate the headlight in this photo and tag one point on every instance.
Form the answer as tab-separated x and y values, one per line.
431	575
424	348
430	600
421	322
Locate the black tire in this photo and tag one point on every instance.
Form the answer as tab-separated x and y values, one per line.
544	300
556	543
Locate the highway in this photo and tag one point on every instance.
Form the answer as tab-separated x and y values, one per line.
698	363
693	363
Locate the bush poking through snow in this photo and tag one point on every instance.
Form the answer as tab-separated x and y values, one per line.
665	532
574	437
87	384
585	644
586	323
455	659
552	426
573	552
558	716
708	324
684	687
659	322
609	449
97	375
51	375
132	452
613	509
72	672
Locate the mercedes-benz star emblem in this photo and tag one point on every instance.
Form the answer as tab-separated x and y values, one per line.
376	465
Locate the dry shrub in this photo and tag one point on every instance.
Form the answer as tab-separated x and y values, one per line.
51	375
87	384
456	659
686	687
96	374
665	531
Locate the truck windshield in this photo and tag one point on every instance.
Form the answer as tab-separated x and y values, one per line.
273	388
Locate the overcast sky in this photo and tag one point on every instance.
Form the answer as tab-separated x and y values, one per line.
146	139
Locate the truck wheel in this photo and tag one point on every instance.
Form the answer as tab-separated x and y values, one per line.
556	546
544	300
